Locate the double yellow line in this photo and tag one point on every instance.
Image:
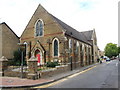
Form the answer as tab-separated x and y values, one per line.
64	79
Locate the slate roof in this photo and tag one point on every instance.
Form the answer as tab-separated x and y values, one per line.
88	34
71	31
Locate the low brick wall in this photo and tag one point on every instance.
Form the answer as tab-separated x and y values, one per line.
15	74
41	74
50	72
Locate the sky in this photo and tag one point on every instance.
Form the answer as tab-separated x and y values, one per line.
83	15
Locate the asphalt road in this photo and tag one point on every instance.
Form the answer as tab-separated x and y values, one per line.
104	75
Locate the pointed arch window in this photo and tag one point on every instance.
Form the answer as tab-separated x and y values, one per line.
70	43
39	28
55	47
77	47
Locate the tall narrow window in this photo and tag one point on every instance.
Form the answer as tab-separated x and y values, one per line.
39	28
70	43
55	47
77	47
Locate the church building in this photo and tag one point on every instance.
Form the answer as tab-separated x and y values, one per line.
49	39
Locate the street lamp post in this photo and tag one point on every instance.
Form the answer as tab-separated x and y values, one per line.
22	45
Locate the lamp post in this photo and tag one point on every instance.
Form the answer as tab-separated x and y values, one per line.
22	46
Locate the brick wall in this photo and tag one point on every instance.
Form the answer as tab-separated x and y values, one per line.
9	42
51	30
15	74
0	40
55	71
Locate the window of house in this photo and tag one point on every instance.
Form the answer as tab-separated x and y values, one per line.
39	28
56	47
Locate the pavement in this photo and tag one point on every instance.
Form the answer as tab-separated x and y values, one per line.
15	82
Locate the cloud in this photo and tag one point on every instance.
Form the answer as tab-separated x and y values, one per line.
80	14
86	5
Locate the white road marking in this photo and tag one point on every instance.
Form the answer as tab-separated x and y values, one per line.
116	64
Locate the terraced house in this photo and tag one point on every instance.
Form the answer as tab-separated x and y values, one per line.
50	39
8	41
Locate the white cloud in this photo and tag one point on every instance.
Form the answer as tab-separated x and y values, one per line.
80	14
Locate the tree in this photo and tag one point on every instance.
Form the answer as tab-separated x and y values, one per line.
111	50
17	57
119	49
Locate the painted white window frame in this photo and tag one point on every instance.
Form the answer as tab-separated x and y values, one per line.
77	46
35	28
70	43
53	47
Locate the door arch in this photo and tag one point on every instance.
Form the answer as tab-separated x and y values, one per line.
38	55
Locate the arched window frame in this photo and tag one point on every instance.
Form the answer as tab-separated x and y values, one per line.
83	47
70	43
39	28
54	48
77	47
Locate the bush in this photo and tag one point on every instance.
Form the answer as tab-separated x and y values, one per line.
52	64
17	58
39	69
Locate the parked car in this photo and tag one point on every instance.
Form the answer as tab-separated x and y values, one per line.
108	59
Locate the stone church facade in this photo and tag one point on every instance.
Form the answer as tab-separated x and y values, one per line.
49	39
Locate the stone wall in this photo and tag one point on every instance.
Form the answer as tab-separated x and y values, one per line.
54	71
41	74
51	30
15	74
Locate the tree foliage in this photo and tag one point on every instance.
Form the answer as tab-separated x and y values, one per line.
17	57
119	49
111	50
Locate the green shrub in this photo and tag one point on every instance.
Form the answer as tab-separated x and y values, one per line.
17	58
39	69
52	64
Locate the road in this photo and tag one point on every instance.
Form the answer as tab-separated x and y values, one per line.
104	75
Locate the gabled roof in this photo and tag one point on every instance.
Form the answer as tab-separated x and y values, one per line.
71	31
66	28
9	29
88	34
39	6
